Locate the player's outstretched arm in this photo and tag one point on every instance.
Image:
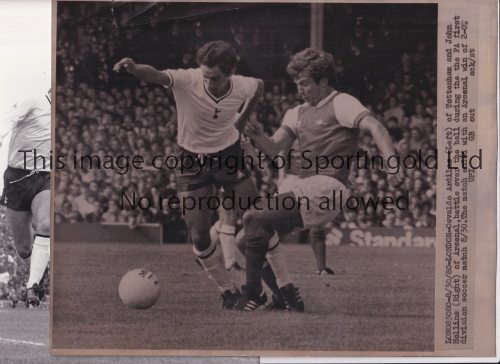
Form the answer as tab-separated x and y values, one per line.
250	106
271	146
143	72
384	144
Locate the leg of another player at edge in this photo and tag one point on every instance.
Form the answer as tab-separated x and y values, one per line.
41	246
20	222
198	223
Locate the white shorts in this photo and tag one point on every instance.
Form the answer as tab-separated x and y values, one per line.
318	189
4	278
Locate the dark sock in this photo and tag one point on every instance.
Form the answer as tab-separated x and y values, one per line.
270	280
255	257
318	245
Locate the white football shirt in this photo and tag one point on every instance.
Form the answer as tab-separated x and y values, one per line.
206	123
29	120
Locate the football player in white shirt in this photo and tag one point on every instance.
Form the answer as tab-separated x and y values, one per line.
327	124
208	100
26	191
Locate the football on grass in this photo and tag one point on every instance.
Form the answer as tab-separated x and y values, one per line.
139	289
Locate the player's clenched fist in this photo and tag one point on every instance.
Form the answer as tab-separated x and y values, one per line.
127	63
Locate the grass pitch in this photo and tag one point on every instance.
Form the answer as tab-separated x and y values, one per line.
380	299
24	338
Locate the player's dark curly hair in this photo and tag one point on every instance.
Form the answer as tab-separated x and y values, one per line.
217	53
319	64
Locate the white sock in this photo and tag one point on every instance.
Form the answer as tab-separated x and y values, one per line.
227	242
40	256
211	261
276	258
214	233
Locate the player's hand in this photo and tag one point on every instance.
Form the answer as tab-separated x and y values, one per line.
396	179
241	121
127	63
253	129
239	124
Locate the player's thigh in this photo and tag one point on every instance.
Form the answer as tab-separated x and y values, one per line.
245	194
20	223
196	212
40	208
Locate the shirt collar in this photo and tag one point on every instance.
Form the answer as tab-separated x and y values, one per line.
326	99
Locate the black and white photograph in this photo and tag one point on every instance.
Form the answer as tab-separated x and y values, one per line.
218	182
247	182
25	124
229	177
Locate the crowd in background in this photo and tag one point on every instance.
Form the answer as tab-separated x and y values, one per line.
101	113
17	285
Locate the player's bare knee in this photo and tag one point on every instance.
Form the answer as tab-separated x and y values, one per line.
200	240
251	220
24	251
42	226
256	232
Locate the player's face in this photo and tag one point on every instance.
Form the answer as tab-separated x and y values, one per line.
308	89
215	80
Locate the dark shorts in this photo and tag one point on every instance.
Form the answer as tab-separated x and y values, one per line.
21	186
224	169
